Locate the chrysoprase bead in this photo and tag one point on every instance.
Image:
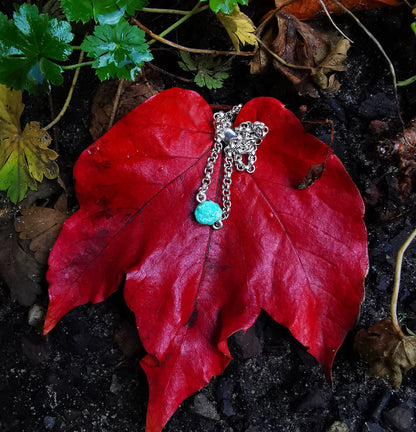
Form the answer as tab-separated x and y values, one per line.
208	212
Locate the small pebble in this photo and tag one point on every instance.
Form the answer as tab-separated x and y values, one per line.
248	343
204	407
400	419
49	422
115	386
338	426
372	427
35	315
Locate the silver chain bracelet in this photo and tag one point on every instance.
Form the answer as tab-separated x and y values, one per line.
240	142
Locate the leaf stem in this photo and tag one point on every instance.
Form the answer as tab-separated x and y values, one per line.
279	59
171	11
78	65
183	48
69	97
116	103
395	295
333	22
179	22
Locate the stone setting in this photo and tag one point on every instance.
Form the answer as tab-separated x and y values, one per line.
208	212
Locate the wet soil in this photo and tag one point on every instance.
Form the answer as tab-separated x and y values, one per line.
86	377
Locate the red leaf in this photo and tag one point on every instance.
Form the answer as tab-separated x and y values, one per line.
301	255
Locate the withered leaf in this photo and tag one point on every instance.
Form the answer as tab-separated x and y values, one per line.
18	268
297	43
239	27
261	59
331	63
41	225
389	356
314	173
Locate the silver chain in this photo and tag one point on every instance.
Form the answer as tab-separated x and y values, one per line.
243	140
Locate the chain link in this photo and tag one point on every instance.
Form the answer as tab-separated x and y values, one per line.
239	142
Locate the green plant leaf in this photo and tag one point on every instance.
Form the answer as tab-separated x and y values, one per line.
28	44
208	71
225	6
24	155
119	50
187	64
102	11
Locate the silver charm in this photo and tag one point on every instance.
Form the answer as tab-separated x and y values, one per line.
240	146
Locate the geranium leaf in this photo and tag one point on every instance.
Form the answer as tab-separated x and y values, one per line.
28	44
24	156
119	50
301	255
225	6
102	11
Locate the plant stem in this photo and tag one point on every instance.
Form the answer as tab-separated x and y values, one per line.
332	21
76	66
116	103
407	82
68	98
395	295
170	11
183	48
180	21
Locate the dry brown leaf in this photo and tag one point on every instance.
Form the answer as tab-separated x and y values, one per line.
19	269
261	59
304	9
310	54
239	27
297	44
331	63
389	356
133	94
41	225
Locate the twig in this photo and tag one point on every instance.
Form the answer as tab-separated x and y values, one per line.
191	50
169	73
395	295
116	103
333	22
182	20
69	97
279	59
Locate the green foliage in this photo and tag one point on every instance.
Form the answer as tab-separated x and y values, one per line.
119	50
225	6
209	71
102	11
28	44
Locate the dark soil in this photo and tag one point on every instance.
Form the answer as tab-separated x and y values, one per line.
79	379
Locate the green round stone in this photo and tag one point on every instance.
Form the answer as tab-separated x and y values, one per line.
208	212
